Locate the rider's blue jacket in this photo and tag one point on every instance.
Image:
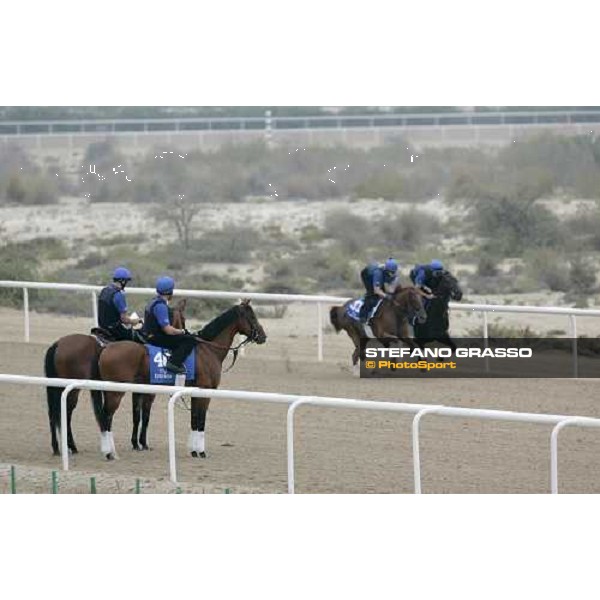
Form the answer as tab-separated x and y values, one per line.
379	277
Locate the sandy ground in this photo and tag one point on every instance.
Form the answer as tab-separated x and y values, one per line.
338	450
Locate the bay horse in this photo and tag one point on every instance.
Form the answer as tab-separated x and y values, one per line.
390	321
435	328
128	362
76	356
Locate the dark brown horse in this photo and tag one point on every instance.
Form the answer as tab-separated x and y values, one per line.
390	321
128	362
76	356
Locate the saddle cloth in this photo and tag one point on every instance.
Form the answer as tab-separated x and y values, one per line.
158	359
353	309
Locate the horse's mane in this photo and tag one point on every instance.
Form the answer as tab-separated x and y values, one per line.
211	330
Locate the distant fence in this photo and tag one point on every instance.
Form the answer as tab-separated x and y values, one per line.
294	402
268	121
484	309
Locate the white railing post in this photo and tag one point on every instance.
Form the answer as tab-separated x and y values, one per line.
319	332
26	312
573	328
485	339
95	308
554	450
290	444
64	447
415	442
171	428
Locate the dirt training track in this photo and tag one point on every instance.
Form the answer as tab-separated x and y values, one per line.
338	450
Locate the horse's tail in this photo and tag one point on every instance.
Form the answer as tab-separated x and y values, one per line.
97	395
334	318
52	393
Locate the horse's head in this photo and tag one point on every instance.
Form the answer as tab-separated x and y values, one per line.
448	287
177	314
248	324
410	301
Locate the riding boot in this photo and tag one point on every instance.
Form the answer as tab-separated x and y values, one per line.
179	354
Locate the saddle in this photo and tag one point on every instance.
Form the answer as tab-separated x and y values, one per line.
105	337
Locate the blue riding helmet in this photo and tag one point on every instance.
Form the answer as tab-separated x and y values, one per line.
165	285
122	273
436	264
390	265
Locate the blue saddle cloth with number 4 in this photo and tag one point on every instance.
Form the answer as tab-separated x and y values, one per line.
158	359
353	309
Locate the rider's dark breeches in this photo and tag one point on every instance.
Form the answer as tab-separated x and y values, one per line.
180	344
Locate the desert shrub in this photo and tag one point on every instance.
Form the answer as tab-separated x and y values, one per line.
231	244
107	185
582	277
313	270
549	268
406	230
353	233
16	264
512	225
387	185
487	265
584	228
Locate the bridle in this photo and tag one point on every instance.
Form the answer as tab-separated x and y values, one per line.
252	338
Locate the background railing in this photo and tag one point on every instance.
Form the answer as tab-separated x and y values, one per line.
442	119
484	309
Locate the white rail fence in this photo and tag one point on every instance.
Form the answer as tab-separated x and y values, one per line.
484	309
294	402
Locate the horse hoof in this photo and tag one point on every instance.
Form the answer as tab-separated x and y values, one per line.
202	455
194	454
146	447
135	447
110	456
73	450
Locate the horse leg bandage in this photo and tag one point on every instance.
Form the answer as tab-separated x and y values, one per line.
106	447
196	441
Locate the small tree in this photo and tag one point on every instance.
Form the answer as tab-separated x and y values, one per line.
180	212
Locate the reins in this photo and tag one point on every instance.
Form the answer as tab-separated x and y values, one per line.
234	349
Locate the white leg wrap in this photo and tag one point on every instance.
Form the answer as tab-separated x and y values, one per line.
200	440
356	370
196	441
105	445
112	442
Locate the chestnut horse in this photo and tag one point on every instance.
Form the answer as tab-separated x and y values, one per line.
390	321
128	362
76	356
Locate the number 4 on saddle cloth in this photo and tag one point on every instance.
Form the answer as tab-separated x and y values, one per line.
353	309
158	359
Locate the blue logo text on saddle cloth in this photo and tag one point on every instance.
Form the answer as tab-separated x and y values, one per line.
158	359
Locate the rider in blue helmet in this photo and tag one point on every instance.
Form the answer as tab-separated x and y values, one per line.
380	281
159	331
112	307
426	276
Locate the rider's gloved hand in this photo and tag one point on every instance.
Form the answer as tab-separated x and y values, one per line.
426	289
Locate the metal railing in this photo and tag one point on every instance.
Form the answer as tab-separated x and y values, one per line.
441	119
294	402
484	309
